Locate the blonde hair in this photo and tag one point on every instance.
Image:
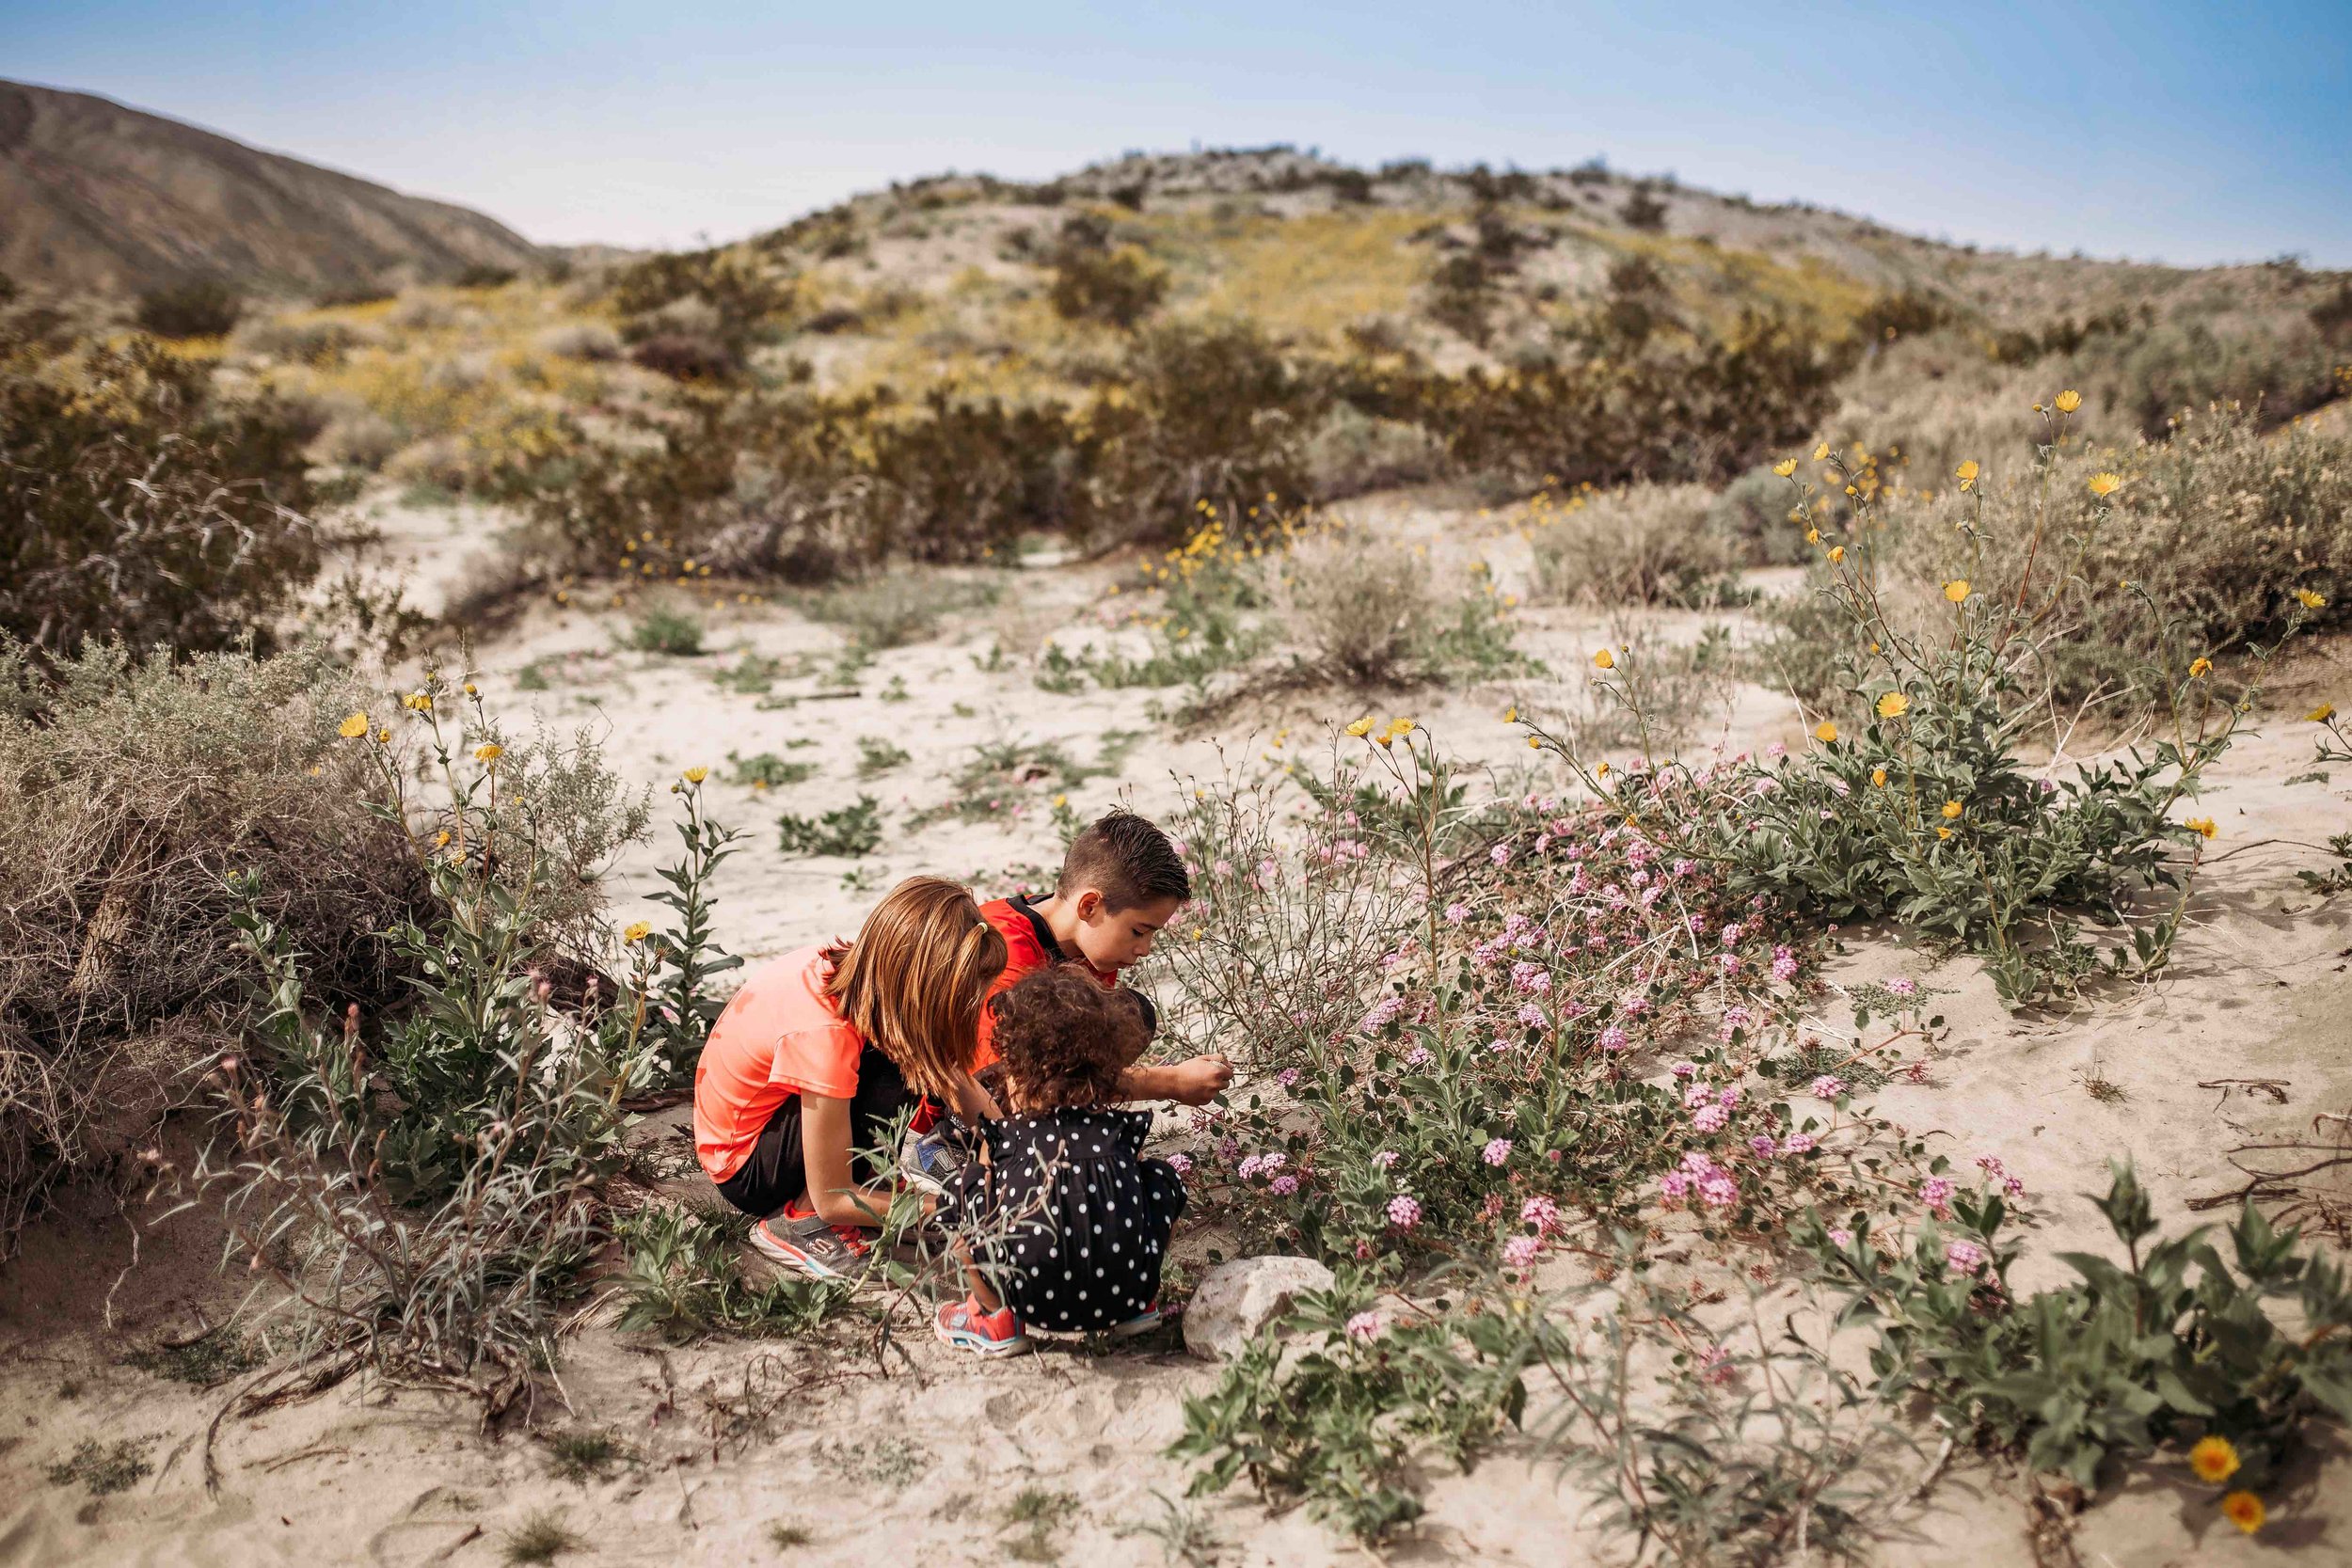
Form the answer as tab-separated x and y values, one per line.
913	982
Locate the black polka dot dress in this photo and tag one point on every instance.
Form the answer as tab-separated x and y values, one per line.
1067	1222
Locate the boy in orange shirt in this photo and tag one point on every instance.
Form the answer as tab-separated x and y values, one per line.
1122	881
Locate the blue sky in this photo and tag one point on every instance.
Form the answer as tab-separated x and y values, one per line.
2189	133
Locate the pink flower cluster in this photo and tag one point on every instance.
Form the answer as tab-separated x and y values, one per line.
1497	1152
1404	1211
1715	1186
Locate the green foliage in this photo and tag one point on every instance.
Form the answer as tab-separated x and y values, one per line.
586	1455
2170	1340
767	770
541	1539
682	1004
877	756
1342	1424
1096	280
667	629
684	1280
104	1468
206	1361
144	507
204	308
853	831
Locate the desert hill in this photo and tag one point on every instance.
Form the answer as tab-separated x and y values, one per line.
106	199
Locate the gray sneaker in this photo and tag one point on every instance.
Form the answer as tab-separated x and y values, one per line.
935	1162
808	1246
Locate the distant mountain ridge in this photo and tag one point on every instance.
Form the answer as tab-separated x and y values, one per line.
99	198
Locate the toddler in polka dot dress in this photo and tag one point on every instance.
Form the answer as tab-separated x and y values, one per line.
1064	1224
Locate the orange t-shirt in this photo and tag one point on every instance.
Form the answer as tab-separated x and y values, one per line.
779	1035
1029	946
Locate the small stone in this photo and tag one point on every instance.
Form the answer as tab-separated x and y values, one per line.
1236	1301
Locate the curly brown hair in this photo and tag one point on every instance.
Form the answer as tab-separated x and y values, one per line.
1064	1039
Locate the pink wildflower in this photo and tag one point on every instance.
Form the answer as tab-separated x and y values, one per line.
1684	1069
1179	1164
1385	1159
1521	1252
1614	1039
1457	913
1500	854
1673	1186
1798	1143
1497	1152
1904	986
1936	1193
1418	1058
1828	1086
1967	1256
1404	1211
1283	1186
1709	1118
1541	1212
1364	1326
1840	1236
1764	1146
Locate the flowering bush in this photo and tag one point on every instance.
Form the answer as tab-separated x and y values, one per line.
425	1184
2170	1342
1918	807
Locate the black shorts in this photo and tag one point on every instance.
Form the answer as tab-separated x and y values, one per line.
777	1172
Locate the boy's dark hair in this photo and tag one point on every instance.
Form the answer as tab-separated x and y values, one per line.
1128	859
1064	1039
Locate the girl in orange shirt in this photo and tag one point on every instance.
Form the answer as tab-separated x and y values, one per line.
806	1072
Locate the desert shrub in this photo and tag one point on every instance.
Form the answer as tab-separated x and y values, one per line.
2144	1351
423	1183
1361	605
685	356
1642	211
482	275
1646	545
362	440
739	300
143	507
960	478
1343	1423
1751	513
2174	371
590	342
667	628
128	789
204	307
356	294
1351	451
1095	280
301	342
1210	413
1704	413
1919	808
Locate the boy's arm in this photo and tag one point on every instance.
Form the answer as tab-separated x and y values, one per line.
1189	1083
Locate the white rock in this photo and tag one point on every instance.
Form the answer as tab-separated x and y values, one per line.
1236	1301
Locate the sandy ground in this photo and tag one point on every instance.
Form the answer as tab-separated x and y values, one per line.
913	1461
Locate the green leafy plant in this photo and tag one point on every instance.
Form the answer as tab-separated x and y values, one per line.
2169	1342
875	756
767	770
667	629
1339	1424
685	1279
852	831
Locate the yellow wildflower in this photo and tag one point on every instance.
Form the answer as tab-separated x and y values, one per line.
1953	810
1534	743
2245	1511
2202	826
2213	1458
1943	832
1957	590
1821	453
1894	706
1967	473
1785	467
1837	554
420	702
1060	800
2321	714
472	690
1511	714
440	840
638	932
489	751
2069	401
1825	731
2310	600
1602	771
1878	777
2103	483
1399	725
383	737
1362	728
1813	536
352	727
696	775
1605	660
2199	668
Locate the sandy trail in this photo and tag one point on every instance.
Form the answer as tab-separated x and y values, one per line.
732	1438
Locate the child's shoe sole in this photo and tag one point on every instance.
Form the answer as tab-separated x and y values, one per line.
979	1344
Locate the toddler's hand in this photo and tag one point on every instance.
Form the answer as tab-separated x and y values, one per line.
1200	1080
